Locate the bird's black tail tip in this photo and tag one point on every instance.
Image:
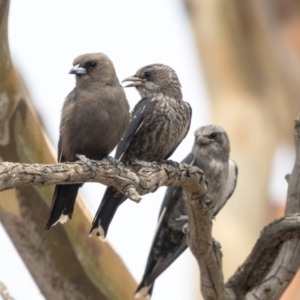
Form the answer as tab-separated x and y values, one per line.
47	227
63	219
98	231
143	291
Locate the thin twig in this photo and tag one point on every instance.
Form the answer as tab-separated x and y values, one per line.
4	292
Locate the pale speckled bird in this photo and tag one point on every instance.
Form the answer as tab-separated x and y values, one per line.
158	124
94	117
211	154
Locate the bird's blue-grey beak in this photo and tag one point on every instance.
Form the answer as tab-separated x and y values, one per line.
202	140
78	70
136	81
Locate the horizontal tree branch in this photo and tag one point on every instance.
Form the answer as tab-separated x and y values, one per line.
129	182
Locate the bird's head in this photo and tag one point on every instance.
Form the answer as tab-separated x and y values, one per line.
94	68
212	140
154	79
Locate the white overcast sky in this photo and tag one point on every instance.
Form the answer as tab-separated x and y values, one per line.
45	37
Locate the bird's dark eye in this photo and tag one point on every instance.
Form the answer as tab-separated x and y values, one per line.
213	135
92	64
147	74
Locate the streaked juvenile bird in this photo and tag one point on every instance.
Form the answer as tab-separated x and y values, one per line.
211	154
94	117
158	124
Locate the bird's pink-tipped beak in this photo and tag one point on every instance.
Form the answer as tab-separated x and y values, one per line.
136	81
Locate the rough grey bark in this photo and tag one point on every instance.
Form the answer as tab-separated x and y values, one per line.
288	261
269	252
129	182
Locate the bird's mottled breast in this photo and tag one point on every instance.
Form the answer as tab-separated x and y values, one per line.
215	171
165	124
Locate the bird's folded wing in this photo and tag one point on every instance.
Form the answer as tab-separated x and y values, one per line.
230	186
136	121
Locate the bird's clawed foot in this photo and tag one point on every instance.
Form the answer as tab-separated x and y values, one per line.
114	161
182	219
172	162
88	162
185	228
216	244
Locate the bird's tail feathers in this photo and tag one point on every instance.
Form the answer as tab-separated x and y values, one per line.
62	204
106	211
144	291
62	219
97	230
